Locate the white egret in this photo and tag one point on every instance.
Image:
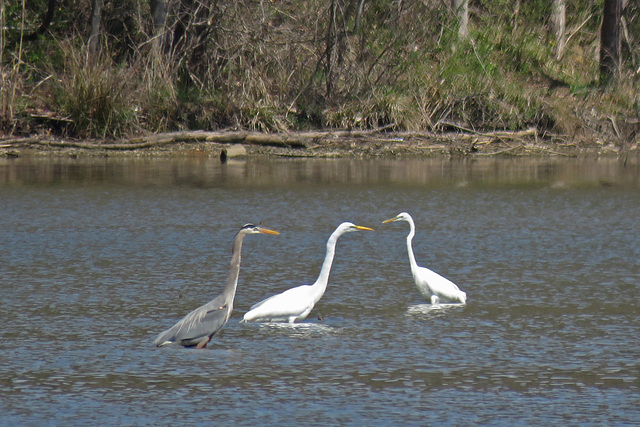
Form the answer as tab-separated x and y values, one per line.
198	327
431	285
296	303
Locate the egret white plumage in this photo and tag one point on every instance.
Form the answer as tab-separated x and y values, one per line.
296	303
430	284
198	327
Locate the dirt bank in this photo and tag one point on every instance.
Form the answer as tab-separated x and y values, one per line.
328	144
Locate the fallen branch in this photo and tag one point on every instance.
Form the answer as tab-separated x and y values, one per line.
157	140
500	134
18	141
506	150
549	151
294	140
239	137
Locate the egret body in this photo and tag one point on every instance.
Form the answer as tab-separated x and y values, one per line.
430	284
296	303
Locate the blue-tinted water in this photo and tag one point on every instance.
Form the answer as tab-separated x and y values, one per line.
100	256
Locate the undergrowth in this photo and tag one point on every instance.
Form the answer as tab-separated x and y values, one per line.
310	64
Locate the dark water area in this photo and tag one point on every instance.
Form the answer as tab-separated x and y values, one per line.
100	255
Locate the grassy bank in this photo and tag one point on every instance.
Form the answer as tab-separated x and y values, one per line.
292	66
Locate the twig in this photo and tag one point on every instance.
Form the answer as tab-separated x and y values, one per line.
500	151
496	134
548	150
615	126
577	29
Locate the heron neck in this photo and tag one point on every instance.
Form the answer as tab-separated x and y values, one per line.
232	281
323	278
412	258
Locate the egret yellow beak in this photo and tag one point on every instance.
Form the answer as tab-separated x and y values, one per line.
390	220
359	227
267	231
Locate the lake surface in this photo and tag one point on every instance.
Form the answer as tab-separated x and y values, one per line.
99	256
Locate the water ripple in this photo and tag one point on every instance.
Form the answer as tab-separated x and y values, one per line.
94	272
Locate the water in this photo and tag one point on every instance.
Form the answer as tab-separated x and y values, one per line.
99	256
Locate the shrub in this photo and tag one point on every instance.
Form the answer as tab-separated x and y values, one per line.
98	96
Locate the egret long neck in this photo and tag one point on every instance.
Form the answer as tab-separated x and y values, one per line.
229	291
323	278
412	258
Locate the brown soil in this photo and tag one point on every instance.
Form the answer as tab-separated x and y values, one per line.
328	144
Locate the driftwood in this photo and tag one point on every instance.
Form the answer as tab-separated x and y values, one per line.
186	137
499	134
289	140
255	138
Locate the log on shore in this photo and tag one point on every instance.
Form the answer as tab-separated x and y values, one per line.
289	140
157	140
234	137
202	136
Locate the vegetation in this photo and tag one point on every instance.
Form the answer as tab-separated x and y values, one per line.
298	65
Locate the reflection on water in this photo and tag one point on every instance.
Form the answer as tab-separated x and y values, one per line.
434	309
99	256
295	329
209	172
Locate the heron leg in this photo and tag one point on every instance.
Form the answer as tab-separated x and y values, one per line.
203	343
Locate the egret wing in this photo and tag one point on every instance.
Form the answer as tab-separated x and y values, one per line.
432	283
291	302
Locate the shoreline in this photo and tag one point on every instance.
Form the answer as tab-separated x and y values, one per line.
324	144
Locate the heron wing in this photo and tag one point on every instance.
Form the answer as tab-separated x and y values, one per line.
202	322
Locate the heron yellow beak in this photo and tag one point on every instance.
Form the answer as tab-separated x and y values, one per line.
390	220
267	231
359	227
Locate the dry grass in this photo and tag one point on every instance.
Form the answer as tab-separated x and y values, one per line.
98	96
11	79
278	66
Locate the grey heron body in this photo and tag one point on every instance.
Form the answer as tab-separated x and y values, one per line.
430	284
198	327
296	303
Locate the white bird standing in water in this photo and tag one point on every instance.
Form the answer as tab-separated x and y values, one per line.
296	303
431	285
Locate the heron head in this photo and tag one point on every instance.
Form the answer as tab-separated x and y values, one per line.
254	229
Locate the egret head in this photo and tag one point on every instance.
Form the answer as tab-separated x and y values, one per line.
403	216
463	297
254	229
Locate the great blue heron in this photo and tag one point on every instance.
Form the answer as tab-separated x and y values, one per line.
296	303
198	327
431	285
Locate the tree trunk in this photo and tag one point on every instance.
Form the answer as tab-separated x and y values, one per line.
94	31
461	9
159	18
610	40
46	21
331	36
558	26
158	14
